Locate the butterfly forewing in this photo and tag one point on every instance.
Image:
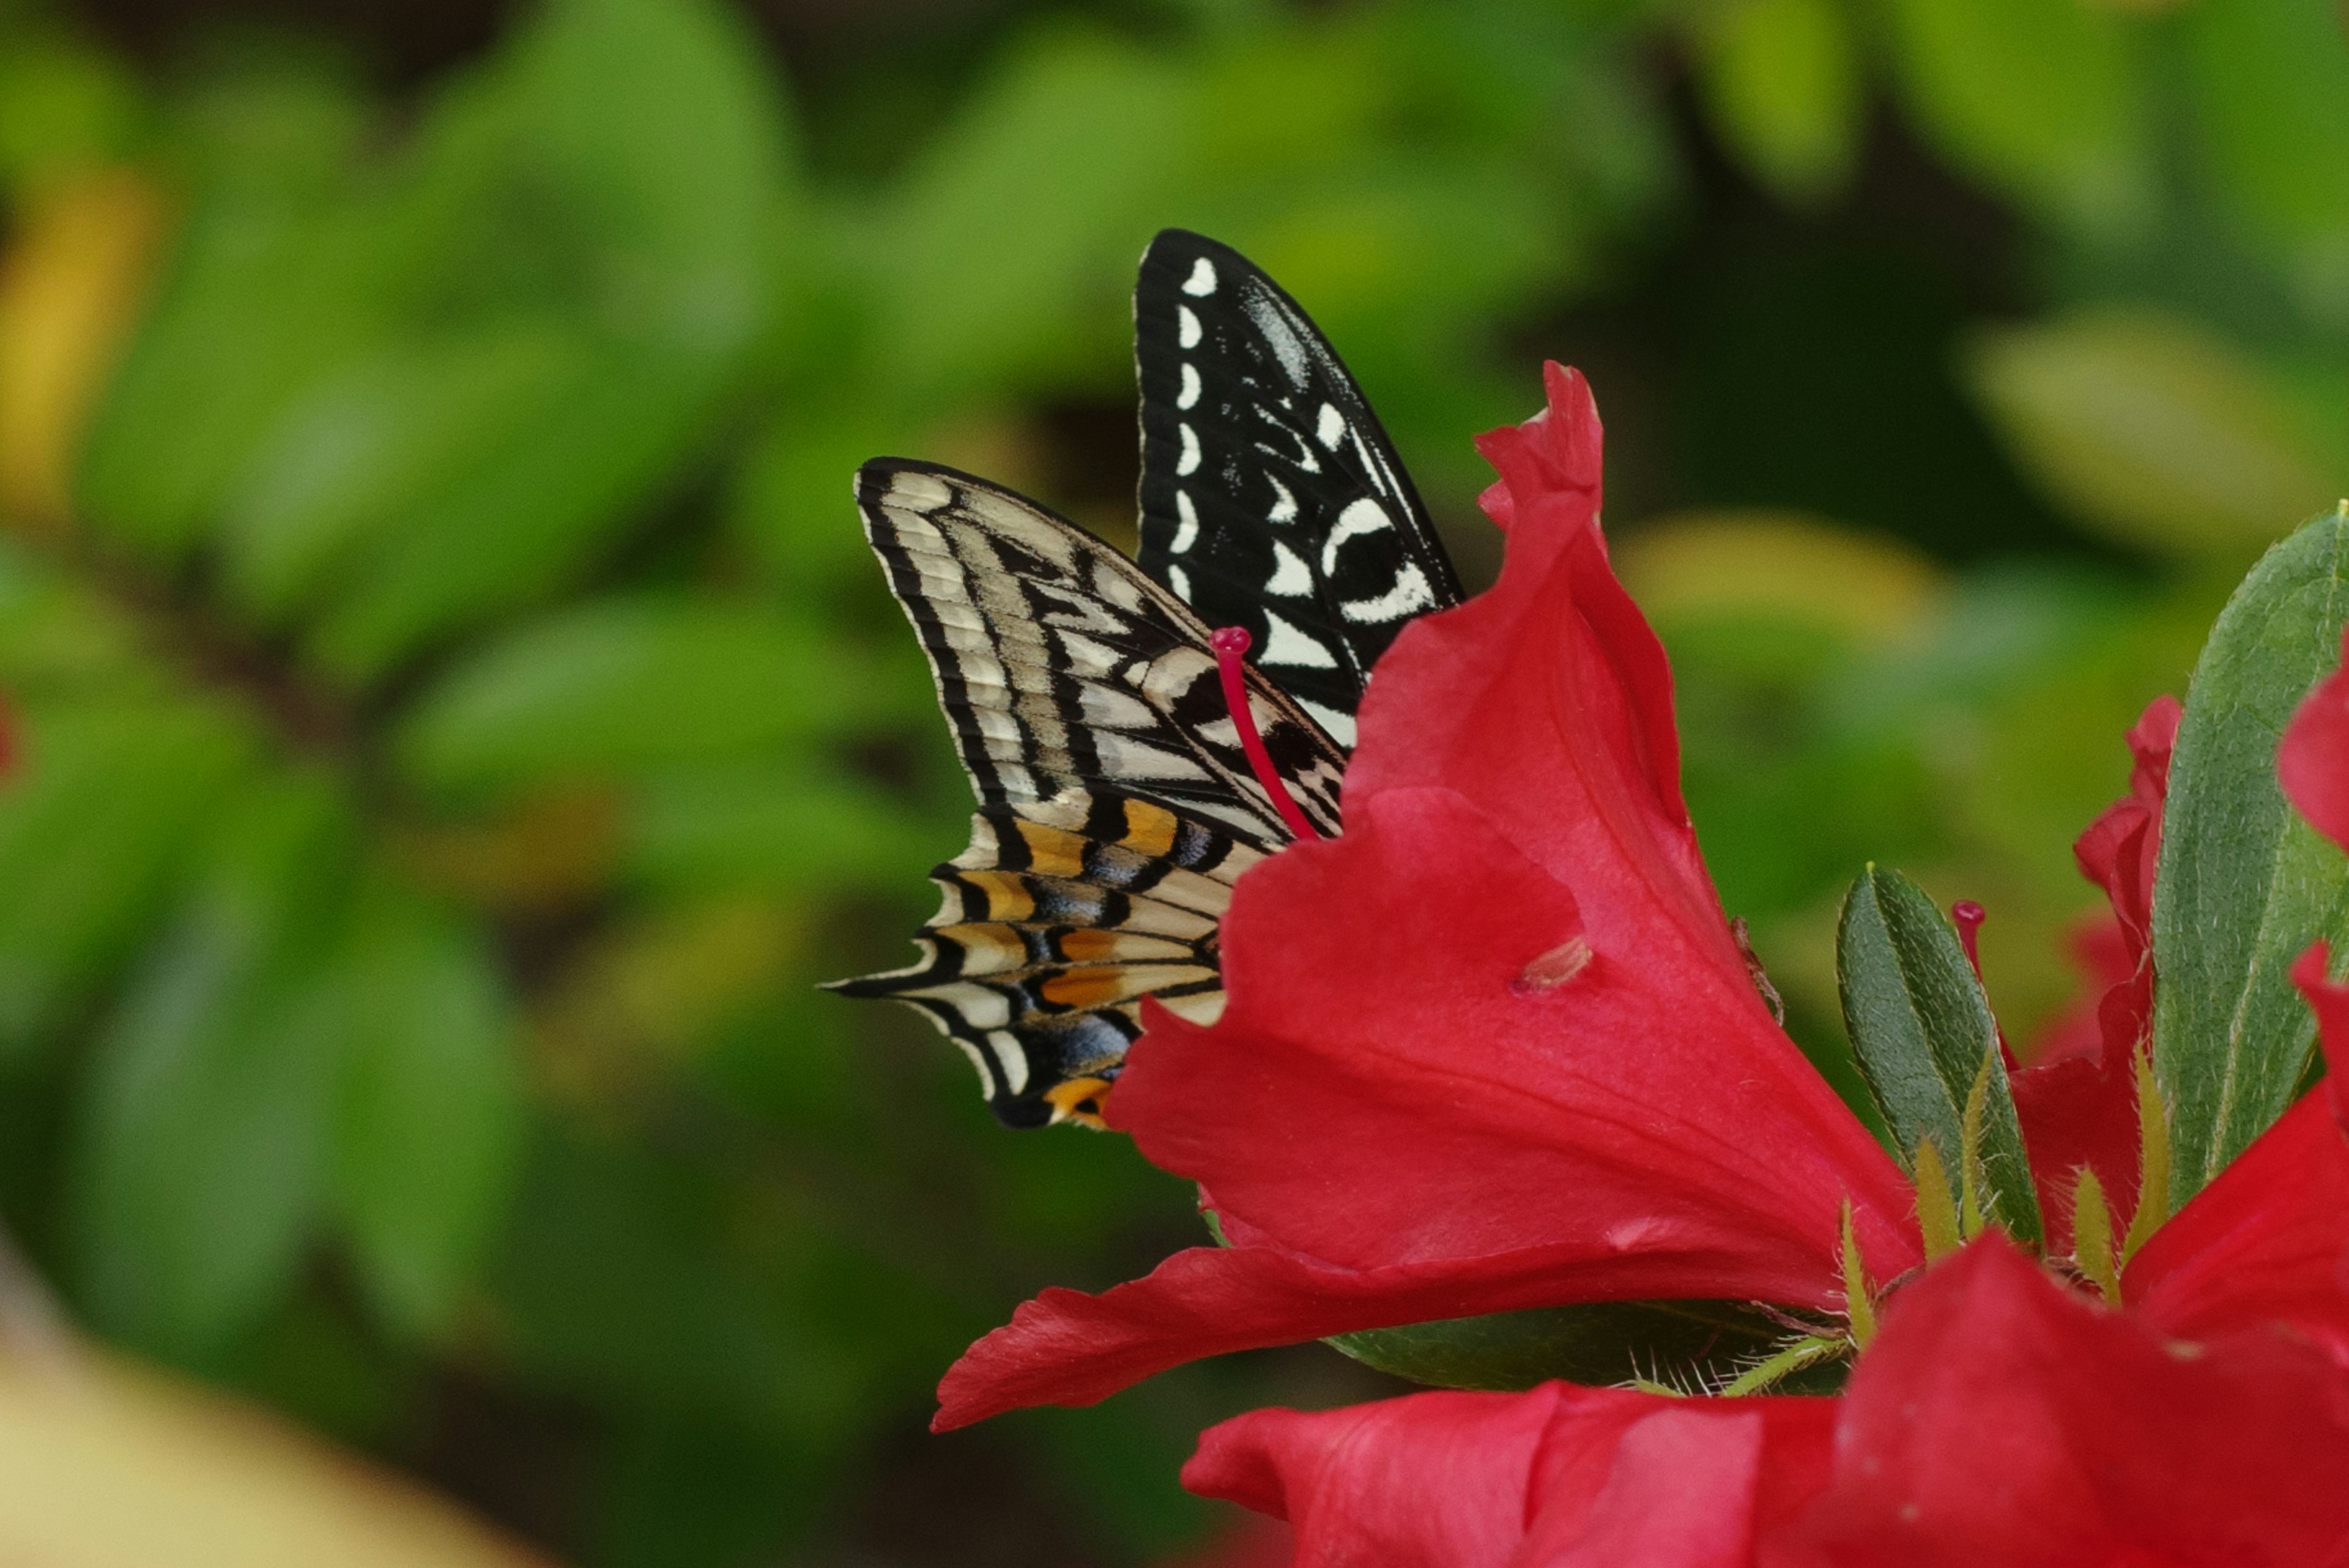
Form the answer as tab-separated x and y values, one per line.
1116	802
1271	498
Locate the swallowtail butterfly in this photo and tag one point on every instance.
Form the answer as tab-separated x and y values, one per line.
1096	702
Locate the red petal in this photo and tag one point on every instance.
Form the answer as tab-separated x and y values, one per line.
2001	1418
2101	952
2312	763
1547	700
1066	1347
2077	1111
2119	853
1386	1086
1434	1479
2268	1239
1556	1476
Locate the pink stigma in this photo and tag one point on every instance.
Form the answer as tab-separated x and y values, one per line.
1969	916
1231	644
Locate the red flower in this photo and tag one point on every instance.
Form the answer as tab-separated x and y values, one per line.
1496	1046
1998	1417
2077	1101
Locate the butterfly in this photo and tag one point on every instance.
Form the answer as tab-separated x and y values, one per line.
1129	765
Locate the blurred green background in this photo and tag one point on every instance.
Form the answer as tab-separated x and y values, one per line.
456	720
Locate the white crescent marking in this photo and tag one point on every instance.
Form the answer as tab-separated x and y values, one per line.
1190	393
1363	516
1188	462
1202	281
1284	644
1186	530
1187	327
1284	508
1291	578
1331	427
1410	592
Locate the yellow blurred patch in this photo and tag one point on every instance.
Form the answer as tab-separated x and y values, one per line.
552	851
656	990
110	1464
2155	431
69	290
1739	563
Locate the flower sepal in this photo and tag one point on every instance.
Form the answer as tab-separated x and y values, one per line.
1929	1048
1689	1346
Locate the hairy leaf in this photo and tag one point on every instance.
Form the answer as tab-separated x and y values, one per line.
1925	1038
2244	885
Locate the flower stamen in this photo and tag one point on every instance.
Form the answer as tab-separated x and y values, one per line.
1231	644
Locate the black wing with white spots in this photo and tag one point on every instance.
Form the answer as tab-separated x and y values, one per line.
1117	806
1271	498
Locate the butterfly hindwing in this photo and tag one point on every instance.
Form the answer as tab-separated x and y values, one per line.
1116	804
1055	923
1271	498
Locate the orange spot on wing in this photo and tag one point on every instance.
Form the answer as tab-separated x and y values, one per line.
1149	829
1078	1100
1053	851
1080	988
1006	894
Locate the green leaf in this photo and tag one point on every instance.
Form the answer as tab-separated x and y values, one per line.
529	513
627	684
263	295
2155	431
1781	81
1923	1032
776	828
659	122
1685	1344
431	1108
205	1128
2244	885
363	450
93	830
2044	100
2273	117
1035	200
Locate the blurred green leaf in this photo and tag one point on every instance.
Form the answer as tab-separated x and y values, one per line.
430	1111
365	447
2245	886
2273	111
1038	198
629	684
539	505
1781	80
777	827
2153	430
64	106
2044	100
266	293
205	1134
90	834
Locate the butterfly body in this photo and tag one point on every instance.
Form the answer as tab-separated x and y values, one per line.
1118	804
